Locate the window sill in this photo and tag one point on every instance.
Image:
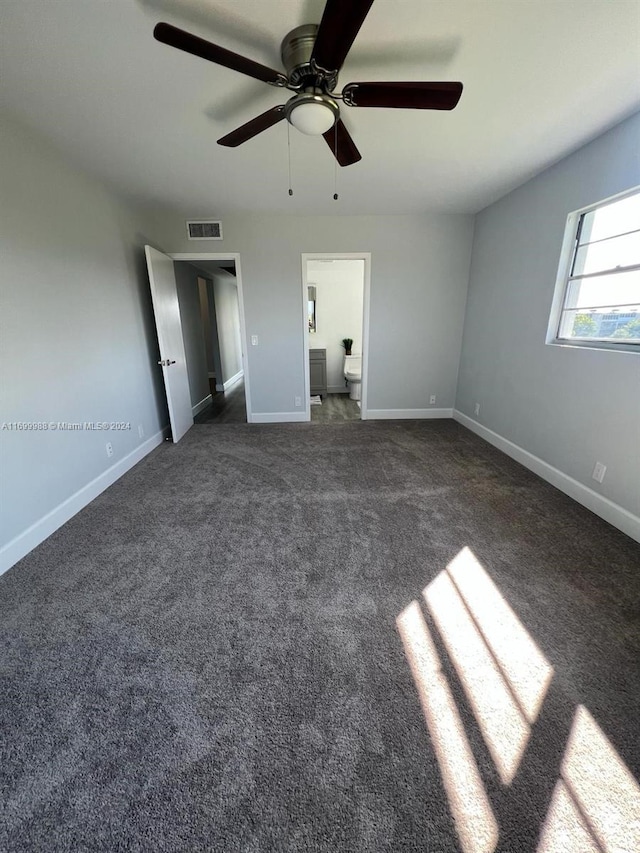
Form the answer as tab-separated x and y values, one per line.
595	345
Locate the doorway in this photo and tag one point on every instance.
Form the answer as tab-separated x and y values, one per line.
335	296
210	319
177	294
222	332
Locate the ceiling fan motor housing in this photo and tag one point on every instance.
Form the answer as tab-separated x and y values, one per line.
295	51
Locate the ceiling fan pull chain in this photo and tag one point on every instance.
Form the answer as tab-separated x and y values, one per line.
289	155
335	161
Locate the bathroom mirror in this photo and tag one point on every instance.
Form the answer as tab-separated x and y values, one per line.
311	307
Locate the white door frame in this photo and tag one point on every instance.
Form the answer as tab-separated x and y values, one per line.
235	257
338	256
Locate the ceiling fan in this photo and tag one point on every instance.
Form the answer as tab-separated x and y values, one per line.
312	56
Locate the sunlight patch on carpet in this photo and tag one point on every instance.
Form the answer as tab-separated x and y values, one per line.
604	793
504	728
475	824
504	674
595	806
523	665
565	830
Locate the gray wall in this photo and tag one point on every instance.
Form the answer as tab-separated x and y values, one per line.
225	292
419	275
207	326
568	406
192	330
77	338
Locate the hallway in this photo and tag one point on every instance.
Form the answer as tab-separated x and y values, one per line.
227	407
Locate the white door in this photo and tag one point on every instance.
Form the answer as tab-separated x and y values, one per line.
164	295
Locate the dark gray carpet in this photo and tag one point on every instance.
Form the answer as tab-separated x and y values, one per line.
206	658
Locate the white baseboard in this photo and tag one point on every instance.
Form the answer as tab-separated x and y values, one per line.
44	527
278	417
407	414
195	410
608	510
226	385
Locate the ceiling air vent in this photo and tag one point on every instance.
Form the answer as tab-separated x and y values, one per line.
204	229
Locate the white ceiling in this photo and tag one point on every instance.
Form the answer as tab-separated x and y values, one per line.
541	77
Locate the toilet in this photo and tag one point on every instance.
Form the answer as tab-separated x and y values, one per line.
353	374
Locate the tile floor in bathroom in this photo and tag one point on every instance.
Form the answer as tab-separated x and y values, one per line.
335	407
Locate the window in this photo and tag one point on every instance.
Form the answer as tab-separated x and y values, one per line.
600	277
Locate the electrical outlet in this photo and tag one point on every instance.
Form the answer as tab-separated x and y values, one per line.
254	340
476	408
298	401
599	471
432	400
109	449
140	431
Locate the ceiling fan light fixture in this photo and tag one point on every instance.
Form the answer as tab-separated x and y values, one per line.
312	115
312	119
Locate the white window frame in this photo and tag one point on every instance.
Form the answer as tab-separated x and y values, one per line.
563	279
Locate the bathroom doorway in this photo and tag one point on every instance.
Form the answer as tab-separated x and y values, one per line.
335	297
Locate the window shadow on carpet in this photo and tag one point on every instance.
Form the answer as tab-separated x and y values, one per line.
513	749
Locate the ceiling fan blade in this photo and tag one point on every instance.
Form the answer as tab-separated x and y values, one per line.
412	96
342	145
339	26
253	128
175	37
